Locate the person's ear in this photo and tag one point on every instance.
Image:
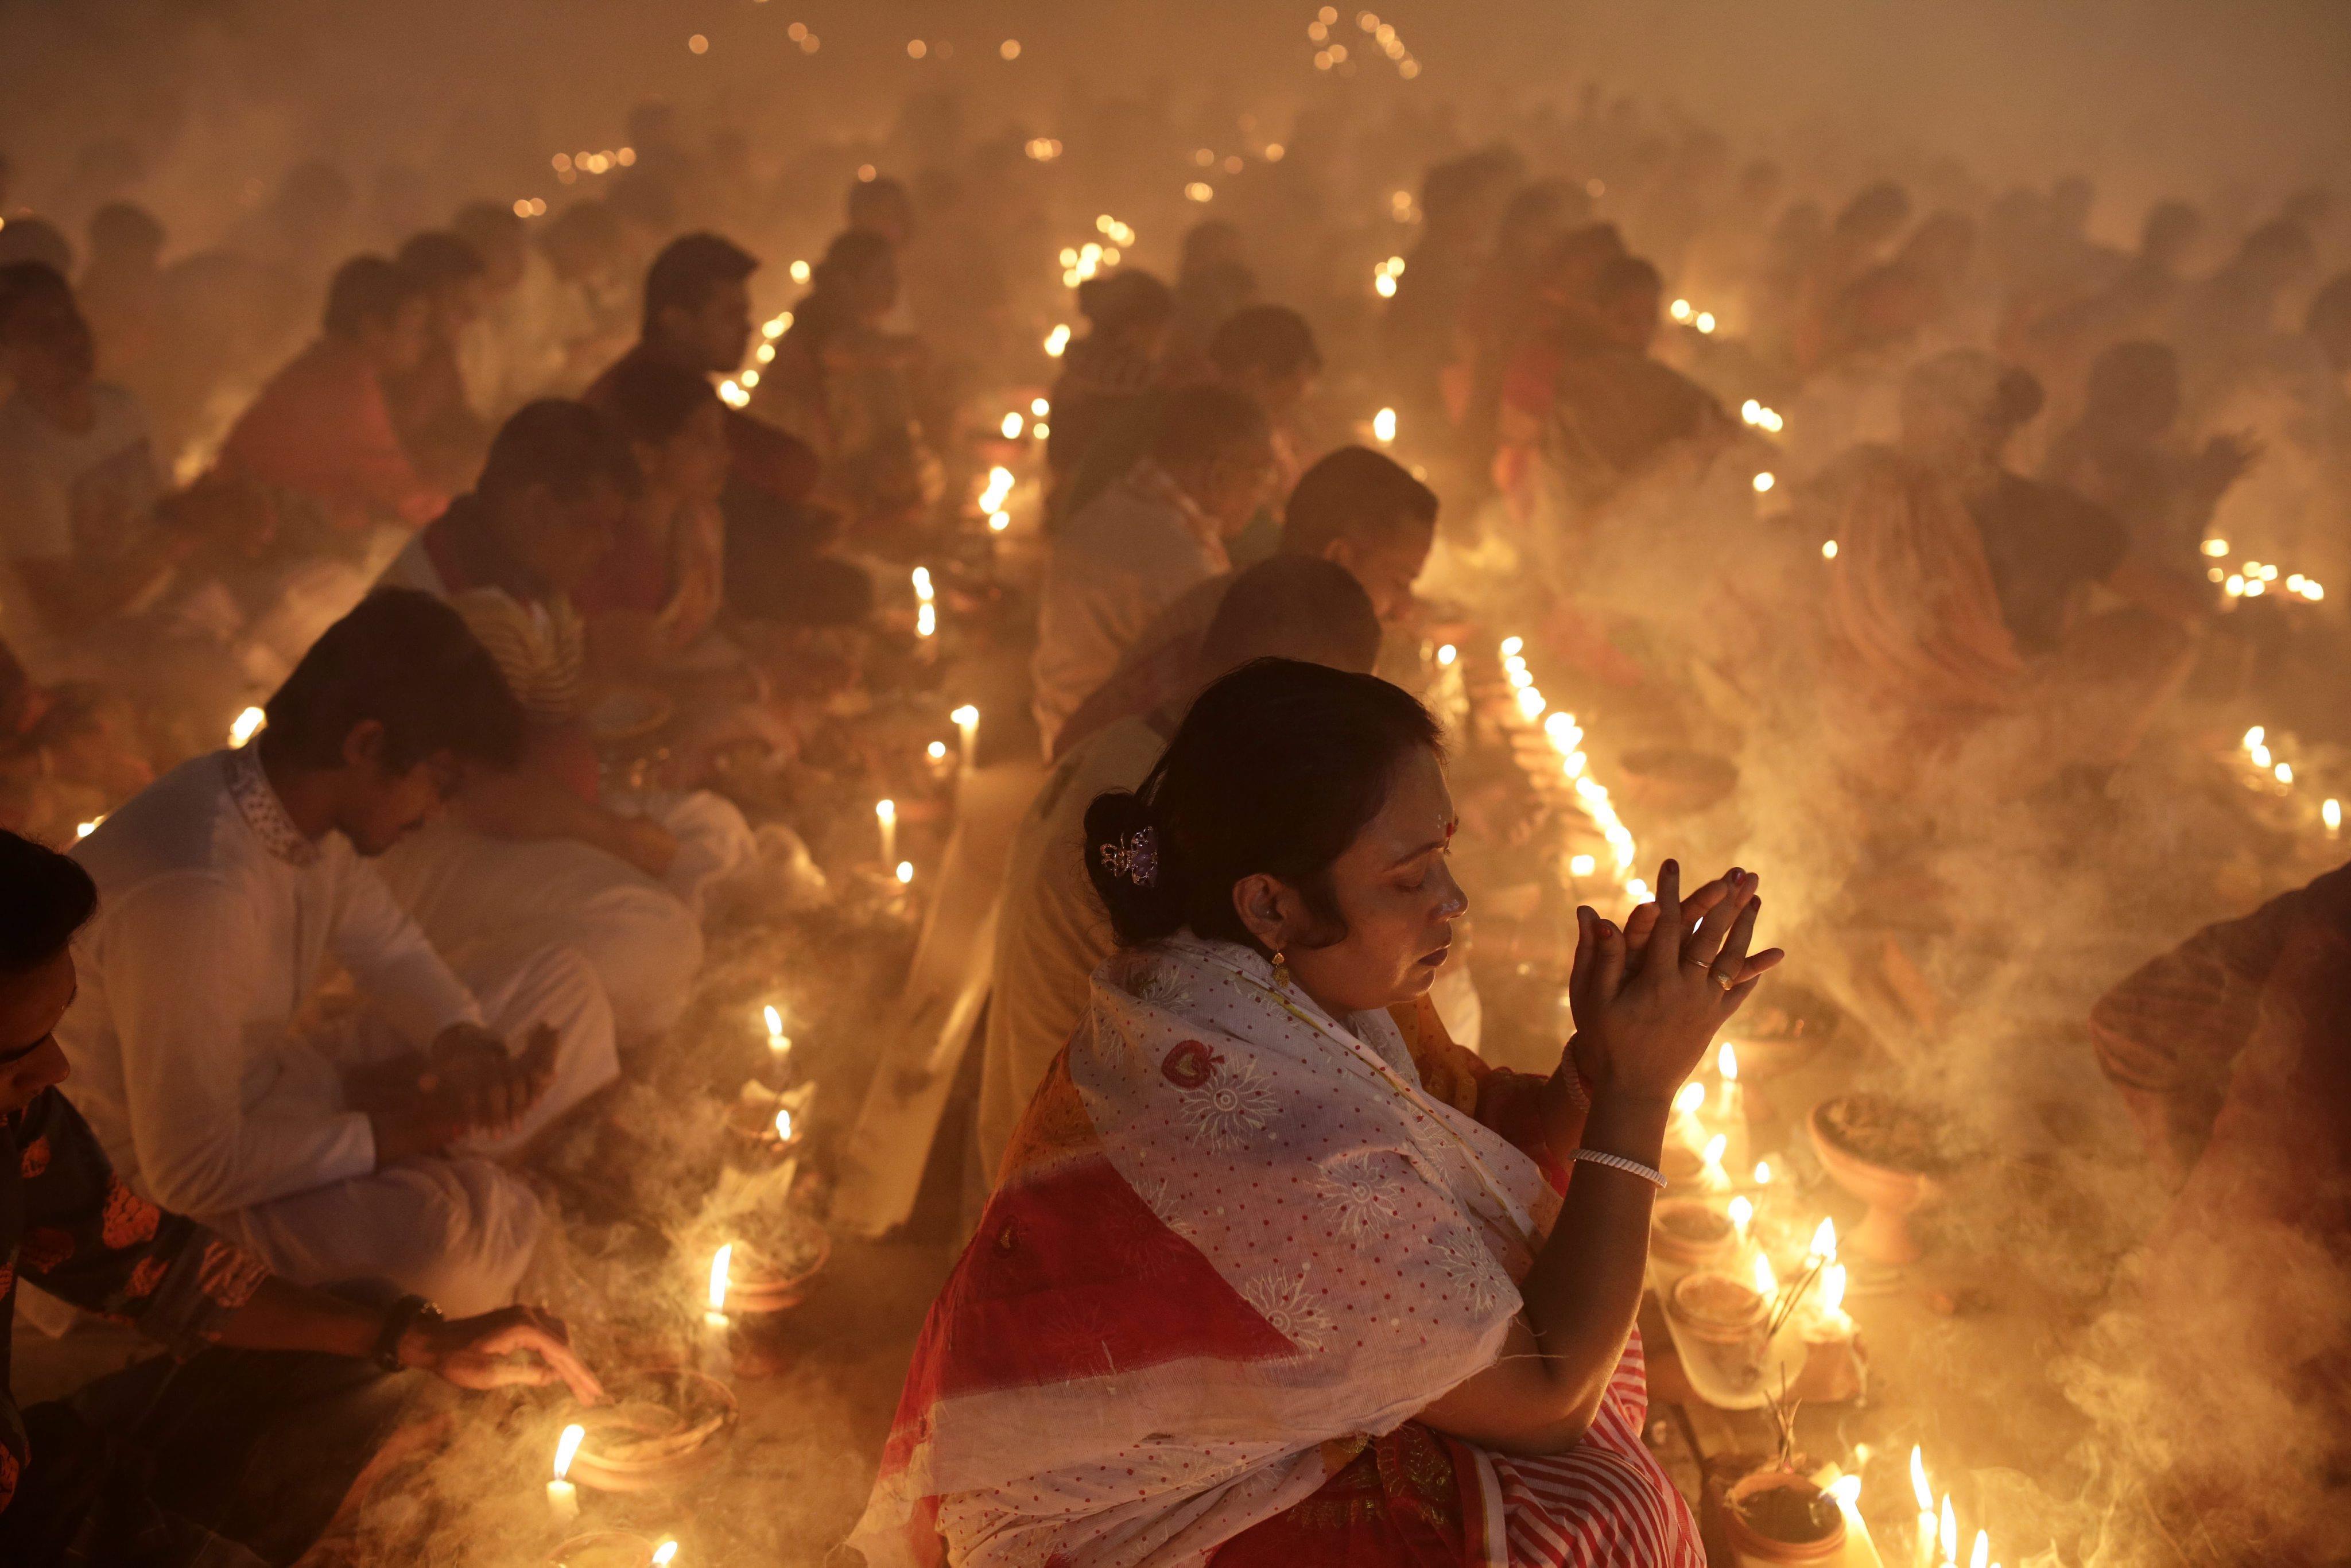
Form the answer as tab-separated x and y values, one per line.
363	745
1267	908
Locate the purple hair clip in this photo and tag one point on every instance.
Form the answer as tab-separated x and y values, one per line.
1135	857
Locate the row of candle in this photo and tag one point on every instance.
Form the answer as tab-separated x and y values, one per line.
2256	578
2265	762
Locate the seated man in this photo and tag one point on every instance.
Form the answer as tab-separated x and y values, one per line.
338	1143
79	480
321	429
697	317
1356	509
256	1440
1144	542
535	848
1053	931
441	435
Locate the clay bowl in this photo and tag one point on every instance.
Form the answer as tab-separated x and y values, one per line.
1674	779
756	1285
1690	1230
1892	1192
1782	1028
1760	1512
660	1429
603	1549
1716	1308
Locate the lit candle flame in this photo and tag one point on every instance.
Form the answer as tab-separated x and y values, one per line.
1511	646
1714	1148
1383	425
1726	1061
1763	483
784	1124
936	750
2254	737
1846	1492
2332	814
567	1446
665	1554
1447	655
1762	1172
1012	426
2284	771
923	583
1584	866
248	724
905	872
1981	1556
886	810
722	1263
774	1022
1919	1486
83	830
1689	1096
1948	1530
1833	1287
1824	1241
966	717
1767	1283
1742	1215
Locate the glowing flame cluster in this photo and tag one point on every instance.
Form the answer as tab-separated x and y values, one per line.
1752	412
1334	53
1384	275
1688	315
1043	149
2256	748
1939	1523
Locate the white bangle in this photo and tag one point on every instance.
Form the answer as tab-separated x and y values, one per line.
1649	1174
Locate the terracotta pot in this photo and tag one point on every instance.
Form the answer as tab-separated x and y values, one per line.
659	1430
755	1285
1716	1308
1893	1195
1791	1024
1690	1230
603	1549
1750	1541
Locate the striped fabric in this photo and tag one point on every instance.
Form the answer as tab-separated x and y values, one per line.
1606	1503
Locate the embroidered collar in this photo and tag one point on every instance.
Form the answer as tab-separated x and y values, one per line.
249	786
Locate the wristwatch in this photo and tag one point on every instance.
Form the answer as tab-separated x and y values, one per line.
405	1314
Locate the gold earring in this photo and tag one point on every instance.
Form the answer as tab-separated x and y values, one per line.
1280	971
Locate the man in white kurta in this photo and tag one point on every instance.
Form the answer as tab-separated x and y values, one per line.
1134	549
210	1056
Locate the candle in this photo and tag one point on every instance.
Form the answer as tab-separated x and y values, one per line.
1948	1533
1981	1556
886	813
779	1044
248	724
562	1497
1384	426
665	1554
966	722
1846	1492
905	872
717	1354
927	620
1742	1215
1713	1153
1762	1172
1767	1283
1925	1543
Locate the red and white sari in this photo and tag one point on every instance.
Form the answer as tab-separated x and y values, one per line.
1236	1247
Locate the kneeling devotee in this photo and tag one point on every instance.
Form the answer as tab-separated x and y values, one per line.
536	849
1052	933
1356	508
1249	1285
218	1066
239	1448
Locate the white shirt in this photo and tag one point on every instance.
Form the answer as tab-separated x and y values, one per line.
216	921
67	495
1119	561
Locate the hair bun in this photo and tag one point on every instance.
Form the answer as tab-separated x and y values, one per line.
1128	863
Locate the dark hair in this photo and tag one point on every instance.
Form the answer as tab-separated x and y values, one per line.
567	446
650	398
689	269
407	661
1355	493
1121	300
22	280
1293	607
367	289
124	226
486	226
35	240
51	897
1276	770
439	259
1199	424
1625	276
1269	338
